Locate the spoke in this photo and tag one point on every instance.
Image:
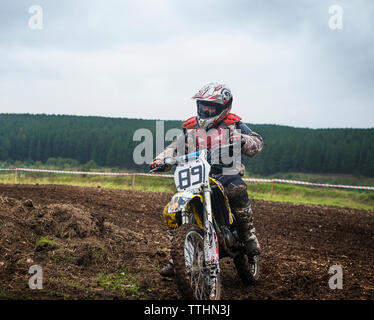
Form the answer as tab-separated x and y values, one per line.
200	279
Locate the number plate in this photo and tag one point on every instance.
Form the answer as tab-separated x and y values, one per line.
192	174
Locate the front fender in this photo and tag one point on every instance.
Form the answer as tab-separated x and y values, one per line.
181	199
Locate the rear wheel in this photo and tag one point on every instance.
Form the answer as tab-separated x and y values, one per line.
248	268
193	278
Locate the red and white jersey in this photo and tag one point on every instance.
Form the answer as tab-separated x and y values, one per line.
196	138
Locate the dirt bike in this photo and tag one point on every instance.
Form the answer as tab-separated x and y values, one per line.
207	230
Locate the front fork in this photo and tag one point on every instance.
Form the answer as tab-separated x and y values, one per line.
211	250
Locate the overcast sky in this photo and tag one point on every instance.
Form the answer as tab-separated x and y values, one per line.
147	58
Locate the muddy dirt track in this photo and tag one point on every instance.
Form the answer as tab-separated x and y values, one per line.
95	243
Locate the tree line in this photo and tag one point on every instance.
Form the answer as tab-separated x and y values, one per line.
109	142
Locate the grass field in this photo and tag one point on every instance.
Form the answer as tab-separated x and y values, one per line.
282	192
346	179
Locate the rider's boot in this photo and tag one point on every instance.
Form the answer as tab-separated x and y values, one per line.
247	231
168	270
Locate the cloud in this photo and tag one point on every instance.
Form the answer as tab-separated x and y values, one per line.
146	58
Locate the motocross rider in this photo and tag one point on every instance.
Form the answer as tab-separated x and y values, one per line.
214	103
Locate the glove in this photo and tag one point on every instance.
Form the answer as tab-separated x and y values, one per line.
155	163
237	139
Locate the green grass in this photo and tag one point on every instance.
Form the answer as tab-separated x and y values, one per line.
110	182
313	195
346	179
120	282
356	199
6	295
46	240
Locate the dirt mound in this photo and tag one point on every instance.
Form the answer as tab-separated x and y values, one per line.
65	221
110	244
52	236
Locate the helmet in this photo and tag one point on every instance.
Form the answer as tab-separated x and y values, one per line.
213	104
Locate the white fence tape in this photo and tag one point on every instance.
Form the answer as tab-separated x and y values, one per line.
170	176
322	184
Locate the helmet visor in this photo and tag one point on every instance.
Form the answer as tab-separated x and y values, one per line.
207	109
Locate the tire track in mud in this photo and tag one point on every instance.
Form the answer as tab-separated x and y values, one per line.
299	244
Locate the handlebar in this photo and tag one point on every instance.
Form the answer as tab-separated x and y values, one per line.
160	168
194	155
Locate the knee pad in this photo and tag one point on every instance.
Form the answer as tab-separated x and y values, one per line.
238	195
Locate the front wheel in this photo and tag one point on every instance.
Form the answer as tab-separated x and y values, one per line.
248	268
193	278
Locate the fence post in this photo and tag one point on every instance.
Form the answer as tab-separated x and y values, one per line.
15	175
133	182
272	189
